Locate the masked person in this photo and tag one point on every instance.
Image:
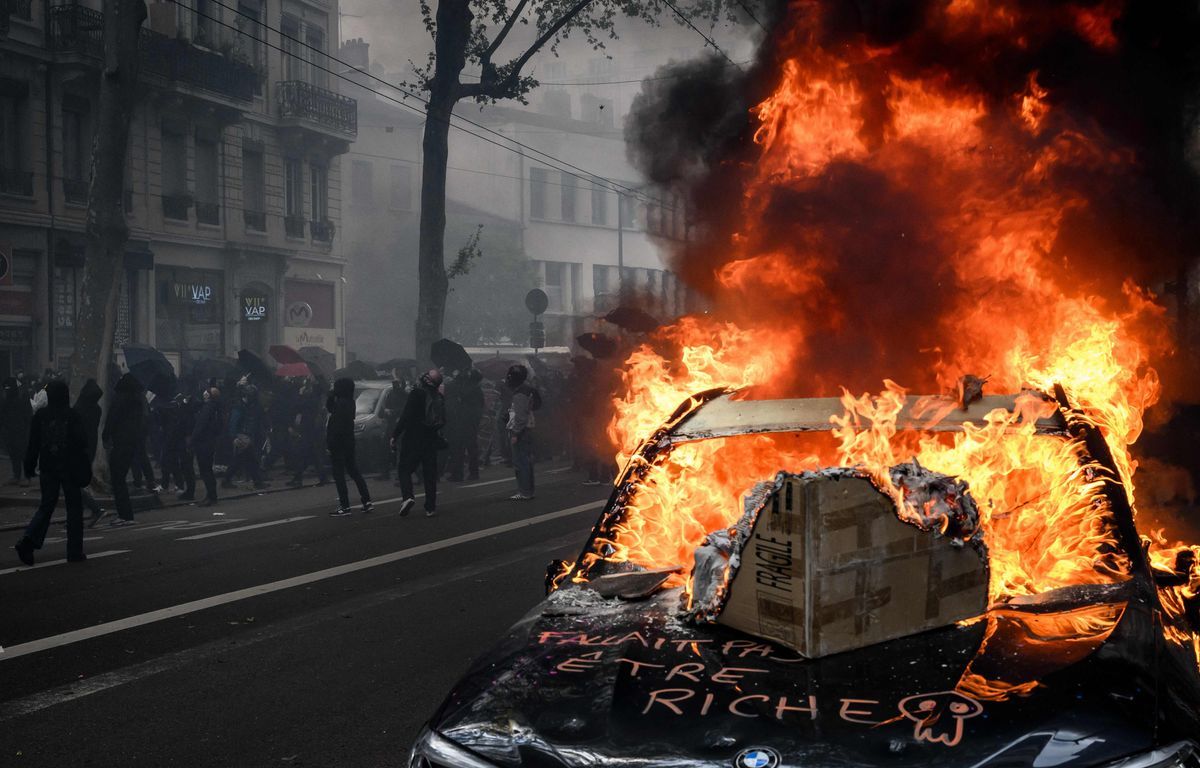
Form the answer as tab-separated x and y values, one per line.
339	437
208	428
16	412
418	439
124	432
525	400
308	436
87	405
58	451
463	426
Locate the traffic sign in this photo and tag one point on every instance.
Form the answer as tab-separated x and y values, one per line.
536	301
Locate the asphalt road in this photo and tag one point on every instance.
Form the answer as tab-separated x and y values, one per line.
271	634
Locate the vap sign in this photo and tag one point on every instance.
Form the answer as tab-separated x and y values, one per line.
197	293
254	308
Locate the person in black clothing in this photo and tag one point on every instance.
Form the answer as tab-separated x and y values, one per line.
463	419
15	416
58	450
87	405
339	437
247	428
178	420
418	435
393	405
308	436
208	427
124	432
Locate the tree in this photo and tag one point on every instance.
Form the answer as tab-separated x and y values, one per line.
487	304
106	230
473	31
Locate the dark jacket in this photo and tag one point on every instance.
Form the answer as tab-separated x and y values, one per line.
246	418
15	413
411	432
339	430
57	443
208	427
87	405
125	423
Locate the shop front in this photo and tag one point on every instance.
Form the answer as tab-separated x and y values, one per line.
17	268
256	316
309	315
190	313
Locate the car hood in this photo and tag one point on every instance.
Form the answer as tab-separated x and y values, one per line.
584	681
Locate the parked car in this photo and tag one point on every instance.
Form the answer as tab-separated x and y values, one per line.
371	424
1083	675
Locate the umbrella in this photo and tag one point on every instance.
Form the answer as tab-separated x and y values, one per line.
253	365
496	367
294	369
450	355
357	370
632	319
319	360
222	369
285	354
147	364
599	345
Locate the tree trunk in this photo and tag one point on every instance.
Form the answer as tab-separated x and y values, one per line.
107	233
454	28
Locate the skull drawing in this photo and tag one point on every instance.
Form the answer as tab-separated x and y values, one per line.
939	716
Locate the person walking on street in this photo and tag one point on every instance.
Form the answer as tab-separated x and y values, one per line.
308	436
87	405
339	437
418	439
246	427
124	431
179	419
521	421
207	429
393	406
463	426
16	413
58	451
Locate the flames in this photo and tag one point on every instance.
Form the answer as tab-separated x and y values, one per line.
981	279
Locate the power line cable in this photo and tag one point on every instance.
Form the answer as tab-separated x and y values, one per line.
750	13
564	165
698	31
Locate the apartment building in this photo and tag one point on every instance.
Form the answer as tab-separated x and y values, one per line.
233	178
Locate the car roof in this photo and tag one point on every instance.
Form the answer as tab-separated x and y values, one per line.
372	384
733	414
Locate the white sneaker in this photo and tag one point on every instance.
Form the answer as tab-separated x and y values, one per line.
406	506
429	513
519	497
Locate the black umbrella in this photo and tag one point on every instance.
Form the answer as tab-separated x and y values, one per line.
632	319
599	345
449	355
223	369
147	364
254	365
359	370
320	361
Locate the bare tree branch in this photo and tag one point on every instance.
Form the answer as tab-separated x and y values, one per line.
486	57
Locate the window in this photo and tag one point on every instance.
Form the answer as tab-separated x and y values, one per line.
628	206
76	141
14	176
554	286
320	192
208	179
205	26
294	65
293	197
176	195
569	185
600	279
538	181
402	187
254	195
599	203
314	38
247	47
362	183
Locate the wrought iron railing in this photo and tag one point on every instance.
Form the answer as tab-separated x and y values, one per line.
208	213
76	29
176	206
16	182
19	9
322	231
255	220
75	190
308	102
293	226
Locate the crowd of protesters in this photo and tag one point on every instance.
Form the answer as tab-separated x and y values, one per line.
166	436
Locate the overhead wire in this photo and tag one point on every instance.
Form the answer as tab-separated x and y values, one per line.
562	166
698	31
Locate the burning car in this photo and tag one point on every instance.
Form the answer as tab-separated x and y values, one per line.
985	602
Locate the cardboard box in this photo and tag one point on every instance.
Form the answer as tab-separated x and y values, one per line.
829	567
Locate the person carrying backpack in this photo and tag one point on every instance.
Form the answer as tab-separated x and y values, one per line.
419	435
521	421
339	437
58	451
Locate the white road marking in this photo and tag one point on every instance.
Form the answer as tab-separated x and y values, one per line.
246	528
142	619
49	563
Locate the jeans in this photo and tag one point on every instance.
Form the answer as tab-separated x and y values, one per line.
344	463
52	482
425	457
119	462
245	460
522	458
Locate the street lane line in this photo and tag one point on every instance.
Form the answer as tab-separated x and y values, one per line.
142	619
246	528
49	563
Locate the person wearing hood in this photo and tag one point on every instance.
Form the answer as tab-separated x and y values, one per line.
246	428
521	421
87	405
418	435
124	431
206	430
339	438
16	412
57	451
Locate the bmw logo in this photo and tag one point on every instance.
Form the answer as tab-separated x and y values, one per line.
757	757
